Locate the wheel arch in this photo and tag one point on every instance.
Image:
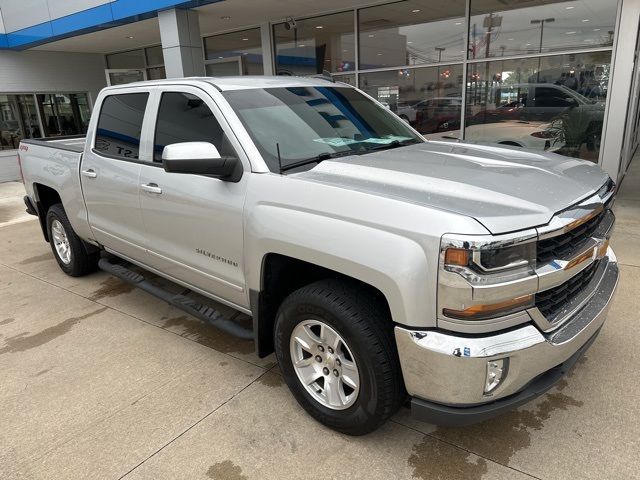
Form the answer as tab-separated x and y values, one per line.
280	276
45	198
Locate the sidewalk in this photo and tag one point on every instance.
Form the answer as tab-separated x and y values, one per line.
100	380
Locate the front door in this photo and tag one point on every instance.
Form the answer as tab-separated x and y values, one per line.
110	173
194	222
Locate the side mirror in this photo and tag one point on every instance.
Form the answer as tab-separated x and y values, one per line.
200	158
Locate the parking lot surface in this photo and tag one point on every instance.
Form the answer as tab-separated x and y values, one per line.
100	380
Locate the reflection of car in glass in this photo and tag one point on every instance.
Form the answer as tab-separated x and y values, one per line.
545	102
536	136
428	108
9	134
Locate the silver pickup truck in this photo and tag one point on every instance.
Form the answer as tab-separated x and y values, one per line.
380	268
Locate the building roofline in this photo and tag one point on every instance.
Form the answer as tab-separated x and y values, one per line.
108	15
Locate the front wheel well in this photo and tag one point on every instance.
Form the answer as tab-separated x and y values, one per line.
281	276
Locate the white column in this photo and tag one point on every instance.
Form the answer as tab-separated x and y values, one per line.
267	50
620	89
181	43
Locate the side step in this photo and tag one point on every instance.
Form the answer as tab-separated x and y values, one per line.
204	312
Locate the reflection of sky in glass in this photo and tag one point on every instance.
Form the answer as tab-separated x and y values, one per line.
567	25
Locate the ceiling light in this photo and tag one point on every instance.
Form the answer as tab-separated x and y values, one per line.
245	39
225	17
570	33
379	54
458	23
129	37
585	20
371	35
570	8
596	29
319	26
302	45
510	39
409	43
416	10
220	57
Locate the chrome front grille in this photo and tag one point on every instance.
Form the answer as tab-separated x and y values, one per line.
567	244
552	301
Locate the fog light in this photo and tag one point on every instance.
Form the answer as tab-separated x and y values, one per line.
496	372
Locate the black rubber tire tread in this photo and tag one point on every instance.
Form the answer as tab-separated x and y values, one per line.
82	263
365	324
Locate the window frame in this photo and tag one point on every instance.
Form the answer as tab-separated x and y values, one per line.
153	110
161	94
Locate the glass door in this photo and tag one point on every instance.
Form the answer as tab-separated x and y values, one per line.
224	67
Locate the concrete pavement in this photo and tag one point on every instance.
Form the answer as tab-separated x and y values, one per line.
99	380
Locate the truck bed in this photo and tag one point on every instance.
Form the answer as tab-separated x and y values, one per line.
54	164
74	143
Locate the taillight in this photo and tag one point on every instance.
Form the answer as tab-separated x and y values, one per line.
20	167
542	134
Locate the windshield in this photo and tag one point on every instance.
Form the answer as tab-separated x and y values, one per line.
295	126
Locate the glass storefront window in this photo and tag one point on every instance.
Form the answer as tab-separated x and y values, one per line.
156	73
313	45
550	103
154	55
500	28
11	132
127	67
411	32
130	59
349	78
429	98
18	120
64	114
236	53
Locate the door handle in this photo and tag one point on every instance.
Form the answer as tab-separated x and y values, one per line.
90	173
151	188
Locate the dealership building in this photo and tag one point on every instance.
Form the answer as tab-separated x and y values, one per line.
549	75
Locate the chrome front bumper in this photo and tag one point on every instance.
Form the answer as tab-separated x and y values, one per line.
449	369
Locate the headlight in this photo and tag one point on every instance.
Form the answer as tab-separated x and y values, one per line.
490	264
486	277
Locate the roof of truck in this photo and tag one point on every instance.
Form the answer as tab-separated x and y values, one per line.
242	82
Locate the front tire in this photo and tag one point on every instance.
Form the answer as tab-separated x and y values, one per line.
68	249
335	347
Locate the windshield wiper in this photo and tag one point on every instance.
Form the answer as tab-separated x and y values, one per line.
394	144
316	159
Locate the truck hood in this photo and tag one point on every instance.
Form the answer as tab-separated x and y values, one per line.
504	189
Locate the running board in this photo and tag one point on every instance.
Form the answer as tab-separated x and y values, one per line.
204	312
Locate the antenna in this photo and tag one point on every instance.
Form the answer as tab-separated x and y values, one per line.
279	159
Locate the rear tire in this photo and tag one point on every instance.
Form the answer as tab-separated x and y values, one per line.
68	249
363	363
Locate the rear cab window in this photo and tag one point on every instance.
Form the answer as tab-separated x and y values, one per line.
120	125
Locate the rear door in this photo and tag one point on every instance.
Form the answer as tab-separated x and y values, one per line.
110	173
194	223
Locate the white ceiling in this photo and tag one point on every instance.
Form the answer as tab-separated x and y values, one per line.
243	13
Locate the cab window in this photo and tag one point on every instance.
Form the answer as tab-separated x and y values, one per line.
183	117
120	125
